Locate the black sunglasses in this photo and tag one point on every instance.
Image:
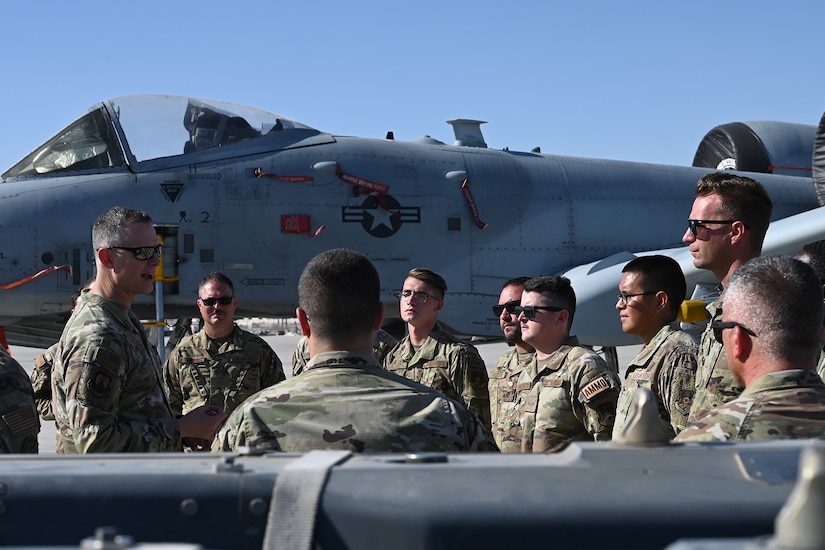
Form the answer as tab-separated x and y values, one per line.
510	307
530	311
694	225
719	326
223	300
141	252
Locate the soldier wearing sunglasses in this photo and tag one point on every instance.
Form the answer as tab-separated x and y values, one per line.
222	364
108	393
570	392
726	228
504	377
771	328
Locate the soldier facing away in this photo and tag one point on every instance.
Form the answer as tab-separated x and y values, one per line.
343	399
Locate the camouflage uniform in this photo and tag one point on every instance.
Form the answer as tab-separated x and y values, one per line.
381	345
42	382
502	387
779	405
446	364
715	384
346	401
667	367
20	425
569	396
107	391
201	371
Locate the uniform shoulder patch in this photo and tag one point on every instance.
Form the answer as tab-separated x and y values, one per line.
594	388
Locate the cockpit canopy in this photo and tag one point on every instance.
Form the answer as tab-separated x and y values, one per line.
139	128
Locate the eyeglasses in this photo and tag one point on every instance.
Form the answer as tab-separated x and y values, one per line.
510	307
141	252
223	300
719	326
624	298
694	225
417	296
530	311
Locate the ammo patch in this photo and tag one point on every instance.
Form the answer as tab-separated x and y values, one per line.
595	387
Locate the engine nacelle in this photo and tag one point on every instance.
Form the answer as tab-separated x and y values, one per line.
762	146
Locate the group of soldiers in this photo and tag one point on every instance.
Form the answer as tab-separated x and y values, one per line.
752	375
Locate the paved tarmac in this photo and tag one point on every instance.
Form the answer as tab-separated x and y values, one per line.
283	345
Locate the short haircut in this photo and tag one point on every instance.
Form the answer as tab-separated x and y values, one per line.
558	289
516	281
780	299
340	292
218	277
661	273
109	228
743	199
429	277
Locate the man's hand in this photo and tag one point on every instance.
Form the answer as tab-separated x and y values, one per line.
201	423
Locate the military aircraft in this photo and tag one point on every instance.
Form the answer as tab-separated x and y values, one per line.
256	195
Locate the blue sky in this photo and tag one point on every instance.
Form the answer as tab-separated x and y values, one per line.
635	80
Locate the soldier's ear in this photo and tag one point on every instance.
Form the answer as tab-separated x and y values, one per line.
303	321
742	344
379	318
104	256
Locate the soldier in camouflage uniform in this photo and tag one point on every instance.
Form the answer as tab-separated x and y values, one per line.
432	356
771	328
107	392
222	364
344	399
726	228
568	393
650	292
19	426
505	374
42	371
382	344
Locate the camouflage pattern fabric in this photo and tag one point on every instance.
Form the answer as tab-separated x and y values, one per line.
667	367
502	387
107	391
42	382
381	345
715	384
448	365
569	396
346	401
201	371
780	405
19	424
